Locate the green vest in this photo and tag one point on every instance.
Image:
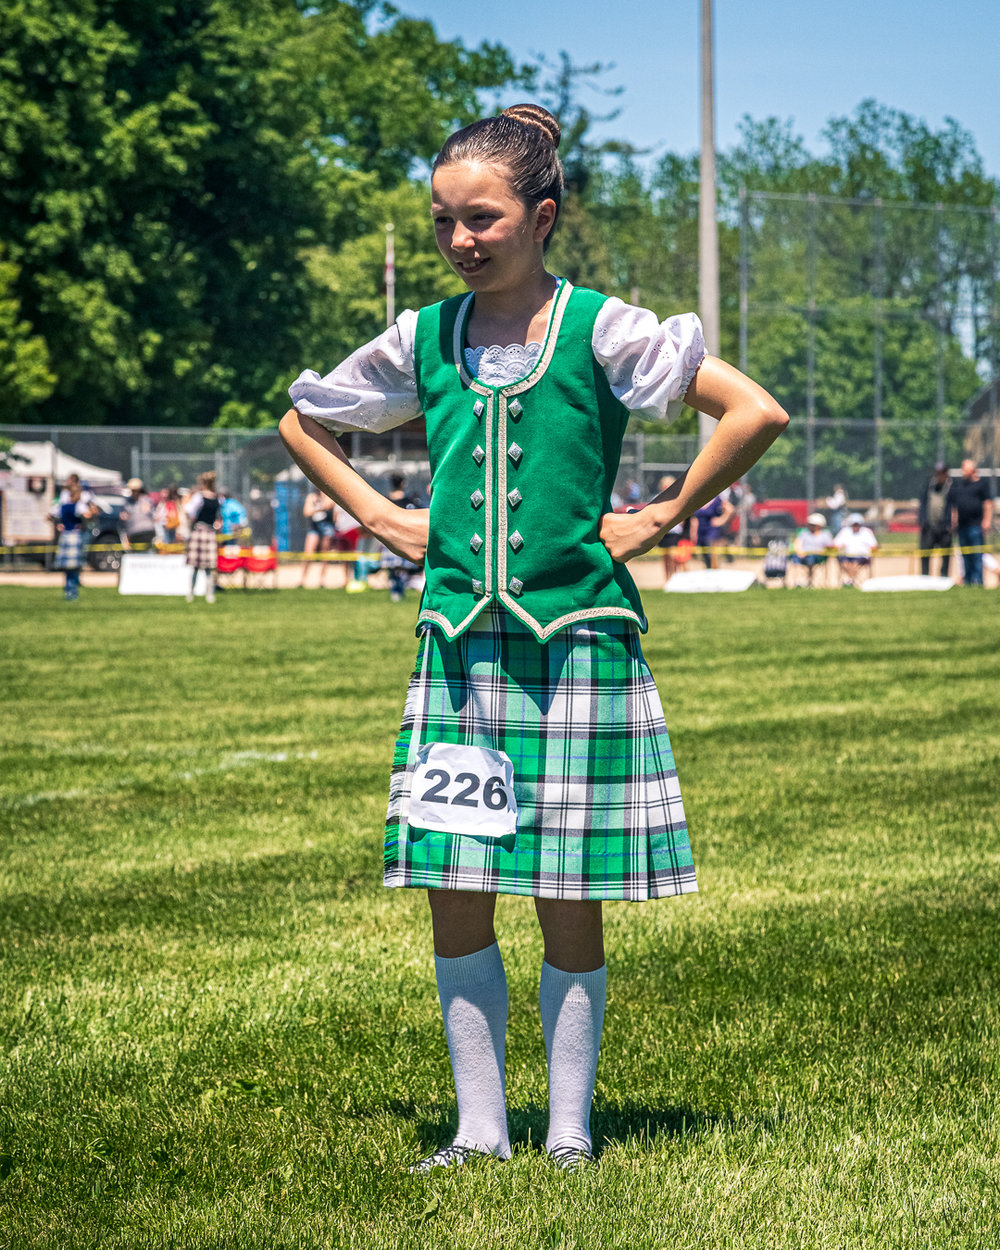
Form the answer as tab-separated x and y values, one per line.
521	476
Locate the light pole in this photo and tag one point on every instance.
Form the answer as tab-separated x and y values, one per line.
390	274
708	233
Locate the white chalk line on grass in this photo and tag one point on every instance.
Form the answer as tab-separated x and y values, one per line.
236	759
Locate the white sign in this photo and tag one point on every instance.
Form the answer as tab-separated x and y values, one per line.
25	512
463	790
704	581
908	581
146	573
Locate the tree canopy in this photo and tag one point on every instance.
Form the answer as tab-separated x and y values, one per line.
167	170
194	194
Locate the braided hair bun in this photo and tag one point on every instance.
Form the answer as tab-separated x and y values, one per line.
535	115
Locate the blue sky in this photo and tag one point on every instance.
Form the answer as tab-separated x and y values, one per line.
801	60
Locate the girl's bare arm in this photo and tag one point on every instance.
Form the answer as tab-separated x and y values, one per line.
318	454
749	420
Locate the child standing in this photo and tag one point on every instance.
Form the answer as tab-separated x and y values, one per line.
533	757
204	512
69	515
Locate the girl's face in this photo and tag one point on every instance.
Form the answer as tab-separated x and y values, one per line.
484	230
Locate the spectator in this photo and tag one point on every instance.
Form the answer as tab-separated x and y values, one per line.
855	544
318	511
837	503
400	571
812	545
668	543
167	516
69	515
711	521
935	520
235	522
86	495
138	515
203	511
260	511
971	510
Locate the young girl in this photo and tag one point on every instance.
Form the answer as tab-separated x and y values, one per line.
318	511
70	514
533	757
203	510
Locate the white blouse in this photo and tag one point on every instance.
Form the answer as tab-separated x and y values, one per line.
649	365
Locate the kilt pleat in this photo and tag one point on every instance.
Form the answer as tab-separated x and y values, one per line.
202	548
600	814
70	549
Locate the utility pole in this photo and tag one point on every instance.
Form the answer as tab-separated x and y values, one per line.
708	232
390	275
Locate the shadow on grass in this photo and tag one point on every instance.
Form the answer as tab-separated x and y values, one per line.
630	1122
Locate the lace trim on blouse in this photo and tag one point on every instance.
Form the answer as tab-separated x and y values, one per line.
501	366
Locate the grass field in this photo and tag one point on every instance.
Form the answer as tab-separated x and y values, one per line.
222	1032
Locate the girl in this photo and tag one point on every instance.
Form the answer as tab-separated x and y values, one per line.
204	512
318	511
69	514
533	757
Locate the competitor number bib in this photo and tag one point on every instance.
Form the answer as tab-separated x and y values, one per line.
462	789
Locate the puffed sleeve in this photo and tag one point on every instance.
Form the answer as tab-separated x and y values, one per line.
649	363
374	389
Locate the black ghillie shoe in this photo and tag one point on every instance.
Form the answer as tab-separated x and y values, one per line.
452	1156
571	1158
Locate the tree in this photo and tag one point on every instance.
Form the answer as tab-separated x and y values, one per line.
167	167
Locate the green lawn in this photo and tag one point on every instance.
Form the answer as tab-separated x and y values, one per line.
220	1031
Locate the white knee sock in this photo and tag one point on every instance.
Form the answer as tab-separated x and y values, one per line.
572	1019
473	993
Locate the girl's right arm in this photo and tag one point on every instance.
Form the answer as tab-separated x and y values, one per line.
320	457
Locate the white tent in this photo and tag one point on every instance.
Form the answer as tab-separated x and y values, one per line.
46	460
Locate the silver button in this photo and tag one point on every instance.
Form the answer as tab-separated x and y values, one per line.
479	407
516	541
514	452
477	587
479	455
477	498
514	497
514	408
515	585
475	542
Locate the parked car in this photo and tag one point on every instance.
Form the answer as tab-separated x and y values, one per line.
774	525
905	521
106	533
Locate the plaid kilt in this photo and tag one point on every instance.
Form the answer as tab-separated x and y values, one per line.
202	548
70	549
599	806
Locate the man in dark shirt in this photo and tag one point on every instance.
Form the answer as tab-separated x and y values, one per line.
935	520
972	514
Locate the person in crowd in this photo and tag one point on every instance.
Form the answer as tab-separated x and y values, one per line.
260	511
86	494
203	510
812	545
856	544
138	516
235	522
971	507
837	503
676	534
935	521
400	571
318	510
70	514
708	527
532	721
167	516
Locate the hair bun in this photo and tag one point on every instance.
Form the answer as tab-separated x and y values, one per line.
535	115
